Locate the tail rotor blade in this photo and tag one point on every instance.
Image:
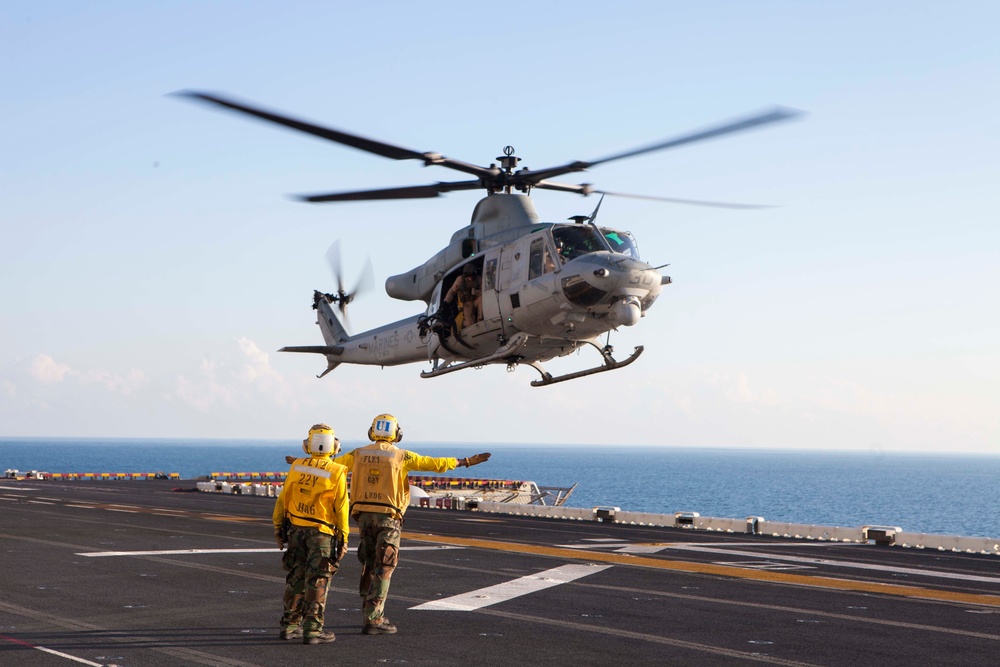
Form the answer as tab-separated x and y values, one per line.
333	259
366	281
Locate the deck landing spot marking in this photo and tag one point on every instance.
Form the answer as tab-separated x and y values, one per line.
619	546
763	565
532	583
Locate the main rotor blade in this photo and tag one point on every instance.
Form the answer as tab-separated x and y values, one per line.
777	114
353	140
410	192
689	202
587	189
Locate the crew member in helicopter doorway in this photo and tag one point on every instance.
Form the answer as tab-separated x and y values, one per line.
469	294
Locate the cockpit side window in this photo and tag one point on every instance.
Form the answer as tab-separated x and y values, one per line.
621	242
535	258
490	275
575	240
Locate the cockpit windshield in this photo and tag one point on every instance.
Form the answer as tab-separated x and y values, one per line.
575	240
622	242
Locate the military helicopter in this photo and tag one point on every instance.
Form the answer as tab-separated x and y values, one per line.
508	288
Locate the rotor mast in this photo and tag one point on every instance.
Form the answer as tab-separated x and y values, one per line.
508	161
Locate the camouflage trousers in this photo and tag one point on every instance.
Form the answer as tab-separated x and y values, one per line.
309	563
378	552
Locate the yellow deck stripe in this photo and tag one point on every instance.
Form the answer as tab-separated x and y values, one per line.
720	570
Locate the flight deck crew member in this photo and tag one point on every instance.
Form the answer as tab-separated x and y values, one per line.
469	293
380	494
310	515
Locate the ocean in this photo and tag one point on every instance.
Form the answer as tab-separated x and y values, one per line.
930	493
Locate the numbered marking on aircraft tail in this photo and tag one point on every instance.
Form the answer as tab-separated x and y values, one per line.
491	595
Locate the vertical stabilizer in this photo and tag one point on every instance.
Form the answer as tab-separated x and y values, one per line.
329	322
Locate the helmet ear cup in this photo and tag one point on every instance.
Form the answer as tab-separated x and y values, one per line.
399	433
371	433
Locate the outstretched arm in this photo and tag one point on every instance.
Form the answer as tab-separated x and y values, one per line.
474	460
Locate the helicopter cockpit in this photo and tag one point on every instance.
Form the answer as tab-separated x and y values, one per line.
575	240
621	242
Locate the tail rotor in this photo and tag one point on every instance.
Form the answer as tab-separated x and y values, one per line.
343	296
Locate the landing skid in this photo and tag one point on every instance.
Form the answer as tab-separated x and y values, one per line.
510	349
609	364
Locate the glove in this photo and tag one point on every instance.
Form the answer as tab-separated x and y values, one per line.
341	549
289	460
279	537
474	460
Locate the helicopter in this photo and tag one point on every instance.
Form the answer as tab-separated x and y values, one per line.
508	288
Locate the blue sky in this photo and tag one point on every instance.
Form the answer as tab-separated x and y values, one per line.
152	265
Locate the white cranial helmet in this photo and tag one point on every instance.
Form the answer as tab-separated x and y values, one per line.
321	441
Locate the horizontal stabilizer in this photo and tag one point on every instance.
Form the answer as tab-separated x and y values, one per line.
315	349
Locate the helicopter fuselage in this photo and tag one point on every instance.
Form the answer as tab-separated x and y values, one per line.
546	286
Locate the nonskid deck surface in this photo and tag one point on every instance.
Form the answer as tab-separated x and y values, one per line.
133	573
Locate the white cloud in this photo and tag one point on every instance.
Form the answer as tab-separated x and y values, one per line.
46	370
123	384
239	378
204	392
737	389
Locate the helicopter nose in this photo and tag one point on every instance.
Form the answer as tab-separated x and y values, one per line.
637	279
623	287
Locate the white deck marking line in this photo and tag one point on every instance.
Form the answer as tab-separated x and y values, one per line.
642	549
620	547
193	552
532	583
839	563
813	543
601	539
440	547
69	657
175	552
49	650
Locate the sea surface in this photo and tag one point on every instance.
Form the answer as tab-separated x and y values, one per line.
930	493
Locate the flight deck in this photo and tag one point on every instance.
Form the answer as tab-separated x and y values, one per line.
151	573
